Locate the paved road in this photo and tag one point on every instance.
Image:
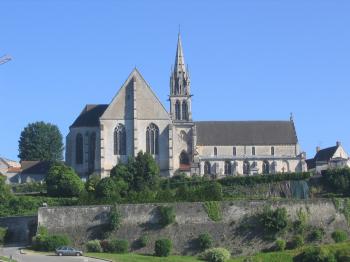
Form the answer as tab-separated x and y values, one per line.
14	251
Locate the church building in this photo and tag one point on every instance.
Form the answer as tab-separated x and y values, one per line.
107	134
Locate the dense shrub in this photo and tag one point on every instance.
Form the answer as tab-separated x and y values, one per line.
298	241
212	191
28	205
343	255
94	246
111	189
104	245
50	242
213	210
114	219
2	235
36	187
166	215
280	245
4	189
91	183
144	240
338	180
205	241
163	247
114	246
62	181
339	236
118	246
216	255
274	221
316	254
317	234
301	223
43	241
140	173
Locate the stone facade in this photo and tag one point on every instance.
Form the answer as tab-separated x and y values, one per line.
135	120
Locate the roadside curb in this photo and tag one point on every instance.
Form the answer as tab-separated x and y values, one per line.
104	259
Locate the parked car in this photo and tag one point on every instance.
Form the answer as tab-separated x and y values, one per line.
68	251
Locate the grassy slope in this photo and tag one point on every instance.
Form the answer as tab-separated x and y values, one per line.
285	256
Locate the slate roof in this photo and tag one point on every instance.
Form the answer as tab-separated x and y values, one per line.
311	163
90	116
325	154
35	167
246	133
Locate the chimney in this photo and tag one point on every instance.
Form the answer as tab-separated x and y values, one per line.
338	143
317	149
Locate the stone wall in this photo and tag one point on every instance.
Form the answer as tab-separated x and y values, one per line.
83	223
19	229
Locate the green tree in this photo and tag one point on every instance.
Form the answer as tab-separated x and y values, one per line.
91	183
110	188
338	180
274	221
4	189
140	173
62	181
41	141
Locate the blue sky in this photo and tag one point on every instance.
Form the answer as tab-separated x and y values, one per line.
249	60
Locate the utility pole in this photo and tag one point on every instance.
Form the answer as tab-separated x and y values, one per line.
4	59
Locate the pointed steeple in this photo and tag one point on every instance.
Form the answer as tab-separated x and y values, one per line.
179	80
180	97
179	58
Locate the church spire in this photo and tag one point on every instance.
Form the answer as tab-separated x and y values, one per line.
180	105
179	58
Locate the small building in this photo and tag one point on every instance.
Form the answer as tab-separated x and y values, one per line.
33	171
327	158
23	172
10	169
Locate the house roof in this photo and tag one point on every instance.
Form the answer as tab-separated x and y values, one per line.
90	116
246	133
12	169
311	163
9	162
35	167
325	154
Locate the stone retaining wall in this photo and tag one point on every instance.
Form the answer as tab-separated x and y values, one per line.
86	222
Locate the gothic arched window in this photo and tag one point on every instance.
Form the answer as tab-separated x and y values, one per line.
253	150
266	167
184	159
152	139
120	140
207	168
215	151
79	149
184	111
177	110
234	151
92	152
228	168
272	150
246	168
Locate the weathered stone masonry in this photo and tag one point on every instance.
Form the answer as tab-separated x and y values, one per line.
83	223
